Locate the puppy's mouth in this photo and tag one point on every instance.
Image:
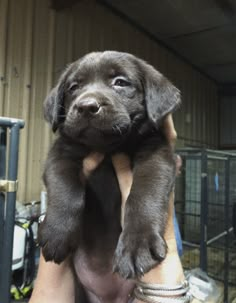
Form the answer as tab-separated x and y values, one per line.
118	130
115	130
97	131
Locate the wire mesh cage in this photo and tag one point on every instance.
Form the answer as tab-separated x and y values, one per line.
205	207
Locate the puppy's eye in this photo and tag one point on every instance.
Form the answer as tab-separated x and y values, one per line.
74	86
121	82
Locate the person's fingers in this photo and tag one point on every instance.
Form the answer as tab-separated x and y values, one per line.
169	129
178	165
91	162
121	164
122	167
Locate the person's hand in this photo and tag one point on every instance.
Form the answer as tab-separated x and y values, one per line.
91	162
169	129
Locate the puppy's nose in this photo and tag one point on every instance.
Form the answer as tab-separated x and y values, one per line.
88	106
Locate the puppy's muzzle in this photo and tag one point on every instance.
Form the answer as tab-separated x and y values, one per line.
87	106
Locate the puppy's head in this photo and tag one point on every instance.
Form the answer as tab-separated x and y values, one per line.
99	98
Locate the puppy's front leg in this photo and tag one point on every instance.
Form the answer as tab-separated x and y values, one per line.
59	233
141	245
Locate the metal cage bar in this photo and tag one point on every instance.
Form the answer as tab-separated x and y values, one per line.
204	213
227	201
8	188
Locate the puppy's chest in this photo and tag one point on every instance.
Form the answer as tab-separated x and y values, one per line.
102	209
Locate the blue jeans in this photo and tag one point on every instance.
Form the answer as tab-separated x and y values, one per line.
178	236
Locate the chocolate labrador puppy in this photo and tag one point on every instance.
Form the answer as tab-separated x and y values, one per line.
110	102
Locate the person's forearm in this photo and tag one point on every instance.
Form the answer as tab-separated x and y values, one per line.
170	271
54	283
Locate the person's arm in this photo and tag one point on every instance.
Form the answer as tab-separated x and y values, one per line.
55	283
163	273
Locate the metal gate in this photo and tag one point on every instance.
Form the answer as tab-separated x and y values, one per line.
205	206
9	145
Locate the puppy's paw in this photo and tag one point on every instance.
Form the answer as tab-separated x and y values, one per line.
55	242
137	253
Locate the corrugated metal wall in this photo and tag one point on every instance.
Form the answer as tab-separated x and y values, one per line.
35	45
227	122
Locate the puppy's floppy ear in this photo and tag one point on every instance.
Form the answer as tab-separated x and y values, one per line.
161	96
54	111
53	107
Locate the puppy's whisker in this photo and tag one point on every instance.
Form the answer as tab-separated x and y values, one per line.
61	106
117	129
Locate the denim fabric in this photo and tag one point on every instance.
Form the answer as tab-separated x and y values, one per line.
178	236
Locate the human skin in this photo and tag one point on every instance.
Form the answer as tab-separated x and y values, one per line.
60	277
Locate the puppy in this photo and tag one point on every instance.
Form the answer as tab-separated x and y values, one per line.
109	102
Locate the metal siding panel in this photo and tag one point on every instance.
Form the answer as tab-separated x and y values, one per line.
205	110
215	124
25	96
188	113
12	62
18	60
226	121
208	114
233	127
201	114
64	46
18	74
194	106
211	112
82	30
46	129
41	78
3	42
190	120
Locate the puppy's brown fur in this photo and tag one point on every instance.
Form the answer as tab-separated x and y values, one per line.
109	102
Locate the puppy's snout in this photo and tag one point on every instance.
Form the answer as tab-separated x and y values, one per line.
88	106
